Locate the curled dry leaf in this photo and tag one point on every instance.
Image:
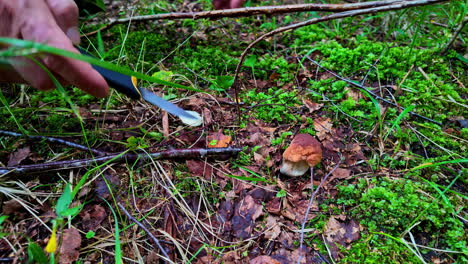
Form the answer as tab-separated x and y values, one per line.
341	232
323	127
92	217
18	156
312	106
69	249
264	260
273	227
341	173
199	168
247	211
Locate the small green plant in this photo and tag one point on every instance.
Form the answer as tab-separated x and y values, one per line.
274	105
136	143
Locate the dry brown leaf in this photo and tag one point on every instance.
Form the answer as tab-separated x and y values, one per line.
199	168
341	173
69	249
273	228
247	211
340	231
274	206
18	156
92	217
218	140
353	93
312	106
264	260
323	127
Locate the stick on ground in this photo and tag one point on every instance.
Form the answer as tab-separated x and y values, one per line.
168	154
55	140
247	11
142	226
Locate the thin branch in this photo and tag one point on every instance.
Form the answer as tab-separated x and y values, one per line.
168	154
142	226
370	92
395	6
311	201
55	140
455	35
248	11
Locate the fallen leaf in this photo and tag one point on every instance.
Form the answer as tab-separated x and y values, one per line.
340	231
274	206
92	217
111	181
323	127
353	93
247	211
341	173
18	156
13	207
69	249
264	260
273	227
312	106
199	168
218	140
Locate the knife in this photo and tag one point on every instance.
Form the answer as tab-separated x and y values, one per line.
128	85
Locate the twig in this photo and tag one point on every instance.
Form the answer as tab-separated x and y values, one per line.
370	92
311	201
168	154
247	11
142	226
455	35
395	6
55	140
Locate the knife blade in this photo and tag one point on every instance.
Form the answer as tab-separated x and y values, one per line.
127	85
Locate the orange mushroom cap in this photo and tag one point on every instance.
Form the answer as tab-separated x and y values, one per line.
304	151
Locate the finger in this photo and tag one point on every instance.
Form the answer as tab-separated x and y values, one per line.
76	72
32	73
66	16
43	28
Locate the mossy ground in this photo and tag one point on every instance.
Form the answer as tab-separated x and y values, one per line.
396	54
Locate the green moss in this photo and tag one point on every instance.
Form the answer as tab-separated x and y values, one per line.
394	206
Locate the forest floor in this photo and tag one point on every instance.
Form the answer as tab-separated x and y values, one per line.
391	186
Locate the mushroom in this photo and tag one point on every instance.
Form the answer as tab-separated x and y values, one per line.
304	152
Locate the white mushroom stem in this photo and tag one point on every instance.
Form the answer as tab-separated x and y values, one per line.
294	169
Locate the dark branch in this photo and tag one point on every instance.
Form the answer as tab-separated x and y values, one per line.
168	154
55	140
248	11
142	226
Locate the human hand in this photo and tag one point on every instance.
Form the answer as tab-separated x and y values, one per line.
55	23
227	4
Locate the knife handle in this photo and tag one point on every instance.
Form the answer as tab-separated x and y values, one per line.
121	82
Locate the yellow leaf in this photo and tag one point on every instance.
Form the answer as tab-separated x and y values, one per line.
52	244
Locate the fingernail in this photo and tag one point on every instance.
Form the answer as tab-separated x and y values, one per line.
73	35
